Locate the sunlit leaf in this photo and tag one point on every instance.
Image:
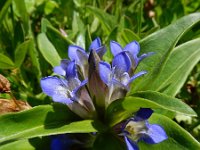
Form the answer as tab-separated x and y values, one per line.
123	108
42	121
162	43
178	67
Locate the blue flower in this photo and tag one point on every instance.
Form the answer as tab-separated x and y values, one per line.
132	50
138	128
81	56
117	77
61	142
68	90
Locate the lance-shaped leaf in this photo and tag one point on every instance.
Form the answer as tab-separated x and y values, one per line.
162	43
6	62
177	68
178	138
48	50
123	108
42	121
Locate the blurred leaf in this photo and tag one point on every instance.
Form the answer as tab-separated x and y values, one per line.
50	6
21	9
35	60
123	108
42	121
179	65
6	62
126	36
59	41
4	10
178	138
21	51
161	42
48	51
107	21
44	24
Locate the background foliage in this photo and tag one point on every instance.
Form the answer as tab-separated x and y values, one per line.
35	34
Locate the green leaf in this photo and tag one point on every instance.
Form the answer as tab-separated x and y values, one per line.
4	10
108	21
35	60
42	121
48	50
126	36
162	43
18	145
6	62
28	144
22	12
20	52
178	67
59	41
123	108
170	103
178	138
49	7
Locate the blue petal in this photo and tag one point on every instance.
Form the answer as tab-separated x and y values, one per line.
61	97
72	52
101	51
56	88
105	72
121	62
56	144
155	134
115	48
143	114
71	71
133	48
59	70
136	76
83	83
131	145
145	55
95	44
82	58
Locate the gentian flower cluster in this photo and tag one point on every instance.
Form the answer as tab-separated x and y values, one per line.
88	85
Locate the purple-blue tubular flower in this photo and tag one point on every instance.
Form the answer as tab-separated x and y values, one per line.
117	77
81	56
69	90
132	49
138	128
